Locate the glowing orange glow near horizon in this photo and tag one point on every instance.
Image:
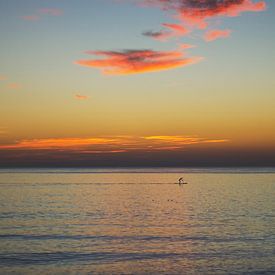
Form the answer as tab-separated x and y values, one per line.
111	144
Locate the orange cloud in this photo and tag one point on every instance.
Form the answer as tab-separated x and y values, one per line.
110	144
55	143
183	140
137	61
2	77
81	97
215	34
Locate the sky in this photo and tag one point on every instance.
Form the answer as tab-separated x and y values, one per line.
137	83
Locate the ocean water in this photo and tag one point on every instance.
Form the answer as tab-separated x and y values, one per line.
137	221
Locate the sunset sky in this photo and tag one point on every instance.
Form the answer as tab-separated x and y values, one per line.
137	82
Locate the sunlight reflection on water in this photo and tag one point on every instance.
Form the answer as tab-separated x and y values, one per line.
54	221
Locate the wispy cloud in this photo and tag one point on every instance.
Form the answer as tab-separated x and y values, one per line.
51	11
31	17
81	97
42	12
111	144
137	61
212	35
11	85
185	46
174	30
159	35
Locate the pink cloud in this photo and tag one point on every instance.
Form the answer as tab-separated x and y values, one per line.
174	30
31	17
137	61
185	46
192	15
216	34
51	11
195	13
42	12
177	30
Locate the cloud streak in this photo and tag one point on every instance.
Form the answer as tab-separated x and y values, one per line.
137	61
174	30
185	46
50	11
42	12
160	35
31	17
212	35
111	144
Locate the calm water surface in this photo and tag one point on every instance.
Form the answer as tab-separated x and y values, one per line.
137	221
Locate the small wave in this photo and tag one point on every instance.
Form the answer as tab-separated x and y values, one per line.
131	238
95	257
46	258
207	170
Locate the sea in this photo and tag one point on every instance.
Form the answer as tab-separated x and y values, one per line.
137	221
